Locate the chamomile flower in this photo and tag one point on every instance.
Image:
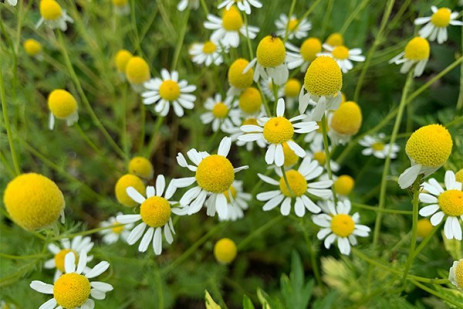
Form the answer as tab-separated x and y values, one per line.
428	148
296	28
225	250
335	39
155	213
375	146
423	228
271	54
243	5
4	304
121	7
73	289
228	28
220	113
114	230
62	105
137	73
77	246
237	201
121	60
416	52
291	91
303	56
128	180
166	91
236	132
301	182
183	4
323	82
437	23
33	48
53	15
345	122
343	185
317	152
237	78
141	167
214	174
207	53
344	56
442	204
276	131
456	274
250	101
337	224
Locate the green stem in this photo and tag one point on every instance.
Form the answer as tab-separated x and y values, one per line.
158	280
133	22
291	10
258	231
286	181
391	211
328	156
431	291
150	149
352	16
248	40
181	37
204	6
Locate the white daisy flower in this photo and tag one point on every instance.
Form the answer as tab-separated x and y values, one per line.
243	5
375	146
299	186
236	132
111	235
183	4
207	53
437	23
343	56
5	305
214	174
446	204
416	52
337	224
121	7
303	56
53	15
155	213
237	201
220	113
78	245
167	91
456	274
296	28
317	152
276	131
227	29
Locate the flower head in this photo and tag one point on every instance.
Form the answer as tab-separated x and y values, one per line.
237	78
344	56
303	56
128	180
416	52
296	28
121	7
376	146
114	230
243	5
62	105
225	250
122	59
137	72
220	113
344	185
250	101
32	47
456	274
141	167
335	39
436	25
345	122
208	53
237	201
53	15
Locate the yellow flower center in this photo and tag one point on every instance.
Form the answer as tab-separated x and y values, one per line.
459	274
155	211
169	90
378	146
323	77
310	48
347	119
225	250
296	182
441	18
292	24
59	258
32	47
209	47
342	225
424	227
120	2
236	78
137	70
250	101
271	52
250	121
232	20
417	49
50	10
33	201
215	174
123	183
335	39
117	229
278	130
71	290
122	58
340	52
451	202
344	185
231	191
290	156
141	167
220	110
459	176
430	146
320	156
292	88
61	103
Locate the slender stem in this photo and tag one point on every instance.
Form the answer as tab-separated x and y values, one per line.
313	255
125	145
426	240
287	182
291	10
248	40
133	22
352	16
460	95
150	149
431	291
181	37
373	208
158	280
307	13
328	156
84	233
204	6
267	108
259	231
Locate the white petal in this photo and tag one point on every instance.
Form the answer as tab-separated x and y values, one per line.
160	184
50	304
408	177
136	233
280	107
157	241
135	195
97	270
146	240
102	286
428	210
224	147
286	206
42	287
437	218
70	262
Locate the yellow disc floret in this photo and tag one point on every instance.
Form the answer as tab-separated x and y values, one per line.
232	20
250	100
118	227
209	47
61	103
323	77
155	211
120	2
296	182
320	156
122	58
342	225
430	146
344	185
347	119
169	90
310	48
141	167
271	52
292	88
137	70
33	201
441	18
123	183
451	202
459	274
225	250
290	156
250	121
236	78
215	174
32	47
292	24
220	110
424	227
340	52
59	258
378	146
231	191
71	290
459	176
50	10
278	130
335	39
417	49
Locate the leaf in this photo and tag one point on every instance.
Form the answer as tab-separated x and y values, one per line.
296	293
326	302
247	303
210	303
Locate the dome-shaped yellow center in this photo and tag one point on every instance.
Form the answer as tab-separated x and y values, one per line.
215	174
250	121
225	250
342	225
344	185
137	70
278	130
378	146
296	182
292	24
430	146
120	2
271	52
340	52
209	47
451	202
320	156
50	10
169	90
290	156
123	183
59	258
292	88
236	78
220	110
33	201
335	39
122	58
310	48
232	192
347	119
459	274
459	176
118	228
155	211
61	103
141	167
32	47
232	20
250	100
441	18
424	227
323	77
71	290
417	49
